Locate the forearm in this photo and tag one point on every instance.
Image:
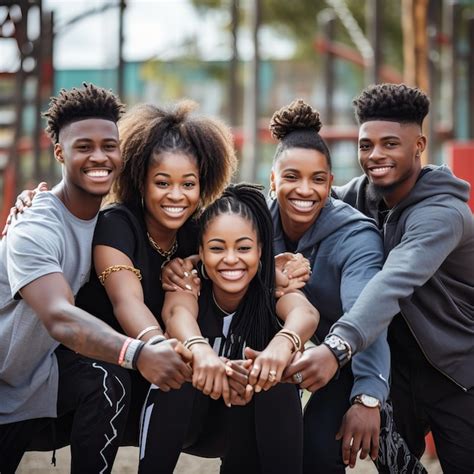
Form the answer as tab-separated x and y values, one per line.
84	333
180	315
134	316
298	314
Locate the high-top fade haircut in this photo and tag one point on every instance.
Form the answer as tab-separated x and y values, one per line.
255	321
80	104
146	131
297	126
391	102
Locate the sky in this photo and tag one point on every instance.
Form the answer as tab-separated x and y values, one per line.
152	29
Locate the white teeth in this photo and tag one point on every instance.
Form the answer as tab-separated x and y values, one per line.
381	170
173	210
231	273
97	173
303	204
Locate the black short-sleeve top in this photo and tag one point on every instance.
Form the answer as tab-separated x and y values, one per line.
123	227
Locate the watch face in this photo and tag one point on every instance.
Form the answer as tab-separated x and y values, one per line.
369	401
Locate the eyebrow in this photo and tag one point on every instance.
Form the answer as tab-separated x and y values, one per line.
292	170
222	241
388	137
187	175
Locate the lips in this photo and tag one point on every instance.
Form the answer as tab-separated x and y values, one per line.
379	171
302	205
232	275
174	211
98	174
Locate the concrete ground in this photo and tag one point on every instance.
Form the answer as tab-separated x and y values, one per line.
127	458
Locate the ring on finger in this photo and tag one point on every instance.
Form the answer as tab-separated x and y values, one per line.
298	377
272	375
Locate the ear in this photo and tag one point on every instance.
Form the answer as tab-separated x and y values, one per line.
58	153
331	179
259	252
200	253
272	181
420	144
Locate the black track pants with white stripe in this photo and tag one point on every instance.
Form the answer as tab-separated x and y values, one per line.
93	403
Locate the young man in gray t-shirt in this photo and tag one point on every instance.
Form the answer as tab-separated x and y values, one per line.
51	395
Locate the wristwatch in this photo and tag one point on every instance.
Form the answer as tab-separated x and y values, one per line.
340	348
367	400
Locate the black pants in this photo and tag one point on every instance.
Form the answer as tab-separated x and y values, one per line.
92	406
322	419
263	437
424	400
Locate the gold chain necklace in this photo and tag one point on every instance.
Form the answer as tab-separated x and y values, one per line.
164	253
219	308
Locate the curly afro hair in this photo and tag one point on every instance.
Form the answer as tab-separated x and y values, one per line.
393	102
77	104
297	126
146	131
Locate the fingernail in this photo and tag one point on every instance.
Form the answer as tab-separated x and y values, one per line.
258	389
194	271
228	371
186	274
188	287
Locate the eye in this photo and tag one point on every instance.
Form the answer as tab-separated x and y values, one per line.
290	177
319	179
111	146
244	248
392	144
216	248
161	184
189	185
82	148
363	146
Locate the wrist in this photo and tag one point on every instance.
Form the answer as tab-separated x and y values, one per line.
340	349
367	401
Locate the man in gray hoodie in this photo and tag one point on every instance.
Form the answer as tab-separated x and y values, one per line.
425	291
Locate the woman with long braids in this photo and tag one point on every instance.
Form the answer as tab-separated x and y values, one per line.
236	312
174	163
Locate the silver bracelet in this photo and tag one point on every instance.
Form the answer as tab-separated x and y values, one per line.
130	353
156	340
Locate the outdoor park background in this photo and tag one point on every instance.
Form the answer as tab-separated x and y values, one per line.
240	60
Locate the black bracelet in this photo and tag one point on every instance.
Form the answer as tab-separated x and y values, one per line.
136	354
340	348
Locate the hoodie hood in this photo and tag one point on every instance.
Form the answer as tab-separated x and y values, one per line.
334	216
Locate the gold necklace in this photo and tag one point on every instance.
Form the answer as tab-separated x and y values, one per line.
164	253
219	308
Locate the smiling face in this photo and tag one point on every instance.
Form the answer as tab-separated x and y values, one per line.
171	192
389	154
302	181
230	252
89	151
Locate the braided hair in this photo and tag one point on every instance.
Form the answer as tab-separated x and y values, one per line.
392	102
254	321
297	126
78	104
147	130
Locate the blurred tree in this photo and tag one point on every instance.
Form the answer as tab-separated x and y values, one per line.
297	21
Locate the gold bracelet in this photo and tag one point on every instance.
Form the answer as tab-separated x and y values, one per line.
194	340
146	330
116	268
292	337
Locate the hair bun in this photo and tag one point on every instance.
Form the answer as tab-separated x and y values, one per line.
297	116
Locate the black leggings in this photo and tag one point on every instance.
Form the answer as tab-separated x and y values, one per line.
92	407
264	436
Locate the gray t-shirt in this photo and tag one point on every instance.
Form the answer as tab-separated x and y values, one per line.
46	239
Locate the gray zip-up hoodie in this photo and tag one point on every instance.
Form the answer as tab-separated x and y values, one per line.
428	275
345	250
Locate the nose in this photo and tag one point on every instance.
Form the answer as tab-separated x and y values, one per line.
304	188
98	155
376	152
230	257
175	193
